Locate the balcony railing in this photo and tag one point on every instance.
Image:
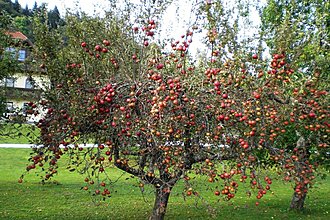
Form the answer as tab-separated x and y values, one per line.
22	93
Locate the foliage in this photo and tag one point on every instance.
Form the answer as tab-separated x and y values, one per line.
300	28
54	18
10	7
22	17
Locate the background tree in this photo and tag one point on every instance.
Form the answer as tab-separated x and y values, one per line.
301	30
8	6
23	24
54	18
35	7
26	11
17	7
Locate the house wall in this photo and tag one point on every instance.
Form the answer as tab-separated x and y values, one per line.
19	102
41	82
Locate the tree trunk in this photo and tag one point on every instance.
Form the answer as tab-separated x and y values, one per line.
297	202
161	200
298	198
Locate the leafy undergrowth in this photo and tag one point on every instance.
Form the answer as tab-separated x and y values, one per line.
63	198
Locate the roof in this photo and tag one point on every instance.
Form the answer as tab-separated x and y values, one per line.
19	35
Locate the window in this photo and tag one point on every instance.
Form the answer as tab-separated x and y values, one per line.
21	55
10	82
11	51
9	106
29	83
25	107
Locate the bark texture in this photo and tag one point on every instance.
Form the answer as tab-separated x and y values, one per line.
159	210
298	198
298	201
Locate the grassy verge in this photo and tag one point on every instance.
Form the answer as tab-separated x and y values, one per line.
64	198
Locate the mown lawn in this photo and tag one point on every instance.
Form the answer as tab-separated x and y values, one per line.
13	133
64	199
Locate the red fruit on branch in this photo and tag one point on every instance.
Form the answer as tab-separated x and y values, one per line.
312	115
106	42
160	66
98	48
256	95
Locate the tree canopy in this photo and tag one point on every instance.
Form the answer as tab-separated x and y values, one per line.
152	113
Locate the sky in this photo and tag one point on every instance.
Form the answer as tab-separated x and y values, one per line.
86	5
93	7
97	7
173	25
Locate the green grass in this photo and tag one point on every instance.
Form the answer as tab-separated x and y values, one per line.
12	133
64	198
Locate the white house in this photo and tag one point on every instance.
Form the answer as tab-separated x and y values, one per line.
26	85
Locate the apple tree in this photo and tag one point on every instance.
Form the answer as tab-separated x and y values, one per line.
151	113
301	29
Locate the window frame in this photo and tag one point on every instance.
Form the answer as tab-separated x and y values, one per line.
18	54
8	83
29	83
9	107
21	55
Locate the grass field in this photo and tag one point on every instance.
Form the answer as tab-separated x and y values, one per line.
64	198
11	133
